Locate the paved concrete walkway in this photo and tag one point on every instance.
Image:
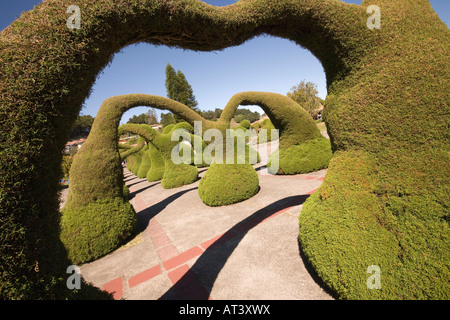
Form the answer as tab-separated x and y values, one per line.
187	250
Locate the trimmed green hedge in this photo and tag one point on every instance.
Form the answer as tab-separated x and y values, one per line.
137	159
96	229
126	193
245	124
145	164
405	236
156	171
310	156
225	184
295	125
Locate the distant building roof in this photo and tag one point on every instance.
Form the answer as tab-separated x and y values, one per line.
75	142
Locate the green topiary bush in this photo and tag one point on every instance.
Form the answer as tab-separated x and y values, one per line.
225	184
310	156
127	150
96	229
395	240
245	124
145	163
137	159
157	168
168	128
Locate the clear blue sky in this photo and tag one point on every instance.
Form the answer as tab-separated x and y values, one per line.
261	64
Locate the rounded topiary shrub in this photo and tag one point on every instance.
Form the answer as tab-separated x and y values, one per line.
225	184
310	156
96	229
178	175
175	175
245	124
168	128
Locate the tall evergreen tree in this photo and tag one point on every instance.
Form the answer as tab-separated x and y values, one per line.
186	94
179	89
171	82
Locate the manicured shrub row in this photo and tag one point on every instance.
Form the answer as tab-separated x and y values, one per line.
175	175
137	159
385	88
127	150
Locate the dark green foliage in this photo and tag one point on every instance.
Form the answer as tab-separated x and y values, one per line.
96	229
126	193
157	168
242	114
82	127
65	166
225	184
385	88
145	118
167	119
305	94
179	89
211	115
309	156
245	124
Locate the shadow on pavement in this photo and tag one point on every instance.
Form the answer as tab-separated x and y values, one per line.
132	194
146	215
197	283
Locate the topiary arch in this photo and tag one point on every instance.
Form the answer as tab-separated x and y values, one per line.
384	200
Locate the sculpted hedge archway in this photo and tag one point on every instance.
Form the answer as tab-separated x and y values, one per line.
385	196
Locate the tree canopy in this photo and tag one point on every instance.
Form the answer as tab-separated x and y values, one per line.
179	89
305	94
81	127
148	117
